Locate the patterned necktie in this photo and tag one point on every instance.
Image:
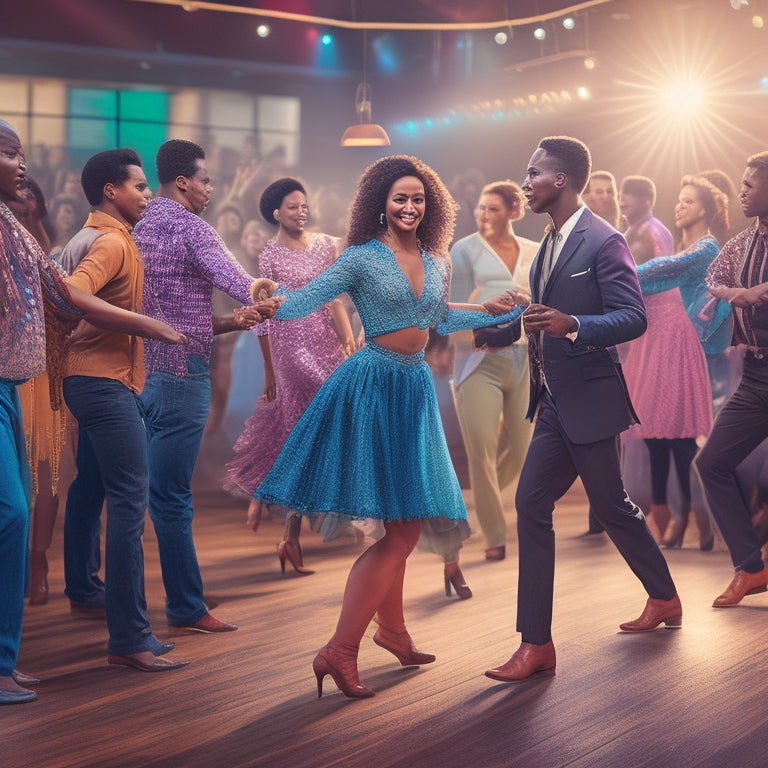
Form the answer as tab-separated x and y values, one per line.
547	260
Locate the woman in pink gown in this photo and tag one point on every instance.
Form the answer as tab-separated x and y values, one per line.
298	355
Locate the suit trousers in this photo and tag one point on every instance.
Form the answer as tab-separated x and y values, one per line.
739	428
551	467
491	404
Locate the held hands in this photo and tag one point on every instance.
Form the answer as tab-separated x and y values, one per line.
247	317
539	317
757	295
506	302
262	288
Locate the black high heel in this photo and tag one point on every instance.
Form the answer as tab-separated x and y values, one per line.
456	578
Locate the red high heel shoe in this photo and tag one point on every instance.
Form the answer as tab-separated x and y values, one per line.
454	576
343	669
292	551
400	644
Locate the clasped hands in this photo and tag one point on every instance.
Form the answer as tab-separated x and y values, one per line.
539	317
757	295
506	302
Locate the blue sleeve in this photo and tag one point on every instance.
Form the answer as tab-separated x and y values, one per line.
666	272
466	320
339	277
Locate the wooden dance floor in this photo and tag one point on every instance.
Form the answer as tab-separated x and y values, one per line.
697	696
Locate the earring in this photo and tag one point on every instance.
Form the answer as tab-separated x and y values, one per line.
382	219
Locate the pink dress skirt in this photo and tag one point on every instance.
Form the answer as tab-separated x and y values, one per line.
666	373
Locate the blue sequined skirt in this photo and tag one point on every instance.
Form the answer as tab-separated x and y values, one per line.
370	444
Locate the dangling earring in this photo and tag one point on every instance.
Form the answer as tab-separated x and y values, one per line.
382	219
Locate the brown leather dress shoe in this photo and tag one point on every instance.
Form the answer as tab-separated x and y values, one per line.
496	553
670	612
146	661
207	623
744	583
526	661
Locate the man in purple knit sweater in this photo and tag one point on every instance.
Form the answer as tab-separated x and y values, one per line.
184	259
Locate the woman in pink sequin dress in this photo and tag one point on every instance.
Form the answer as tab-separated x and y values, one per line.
298	355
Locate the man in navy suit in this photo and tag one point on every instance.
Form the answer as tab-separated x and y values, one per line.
586	299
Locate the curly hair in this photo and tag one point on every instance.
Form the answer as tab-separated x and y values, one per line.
272	197
510	193
713	200
436	228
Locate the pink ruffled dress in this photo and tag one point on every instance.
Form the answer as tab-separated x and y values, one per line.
304	353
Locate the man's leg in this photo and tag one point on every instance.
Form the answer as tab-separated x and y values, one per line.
82	528
175	411
547	474
108	415
599	468
740	427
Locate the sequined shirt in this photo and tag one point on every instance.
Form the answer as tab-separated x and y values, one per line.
736	267
25	272
184	259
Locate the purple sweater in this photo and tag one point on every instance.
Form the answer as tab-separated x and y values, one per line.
184	259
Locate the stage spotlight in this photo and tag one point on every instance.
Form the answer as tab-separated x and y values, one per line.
189	6
263	30
737	5
539	33
757	22
501	38
326	39
582	93
764	83
590	63
568	22
684	99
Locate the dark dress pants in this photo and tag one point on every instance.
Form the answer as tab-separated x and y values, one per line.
551	467
740	427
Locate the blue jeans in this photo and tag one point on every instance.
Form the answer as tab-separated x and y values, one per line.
175	410
14	524
111	461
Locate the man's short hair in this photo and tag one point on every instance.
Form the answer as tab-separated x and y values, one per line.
110	167
760	162
640	186
177	157
573	159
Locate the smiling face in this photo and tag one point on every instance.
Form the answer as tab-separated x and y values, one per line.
544	182
13	167
406	205
492	215
753	193
293	213
689	209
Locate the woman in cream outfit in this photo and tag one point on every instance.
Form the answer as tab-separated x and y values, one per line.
491	386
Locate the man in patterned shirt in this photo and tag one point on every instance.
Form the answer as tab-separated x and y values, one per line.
184	260
740	275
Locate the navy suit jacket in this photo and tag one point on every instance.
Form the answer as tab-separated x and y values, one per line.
595	280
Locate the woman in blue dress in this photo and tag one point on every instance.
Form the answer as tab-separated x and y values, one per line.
371	444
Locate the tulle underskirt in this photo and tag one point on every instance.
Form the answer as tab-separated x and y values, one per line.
370	444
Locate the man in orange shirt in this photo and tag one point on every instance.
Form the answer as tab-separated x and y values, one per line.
104	376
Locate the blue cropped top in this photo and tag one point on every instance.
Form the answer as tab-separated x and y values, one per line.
384	297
